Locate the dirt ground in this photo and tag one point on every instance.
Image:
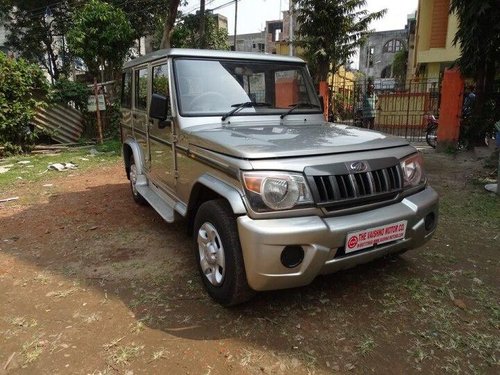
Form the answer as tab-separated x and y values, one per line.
91	283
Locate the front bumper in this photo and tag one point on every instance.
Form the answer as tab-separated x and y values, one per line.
262	241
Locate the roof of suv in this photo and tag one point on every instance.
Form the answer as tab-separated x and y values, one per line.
156	55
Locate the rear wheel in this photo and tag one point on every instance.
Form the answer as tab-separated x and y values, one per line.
218	254
138	198
431	136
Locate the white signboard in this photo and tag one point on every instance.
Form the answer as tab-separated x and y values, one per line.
375	236
91	107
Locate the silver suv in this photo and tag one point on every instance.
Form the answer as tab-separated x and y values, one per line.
273	195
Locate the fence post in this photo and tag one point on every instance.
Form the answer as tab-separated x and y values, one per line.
323	91
408	111
450	109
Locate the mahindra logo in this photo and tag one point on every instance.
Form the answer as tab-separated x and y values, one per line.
357	166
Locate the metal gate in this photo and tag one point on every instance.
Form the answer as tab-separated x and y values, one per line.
401	108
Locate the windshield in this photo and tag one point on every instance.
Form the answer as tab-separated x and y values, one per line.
216	87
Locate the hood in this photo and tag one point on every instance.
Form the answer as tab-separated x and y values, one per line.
277	141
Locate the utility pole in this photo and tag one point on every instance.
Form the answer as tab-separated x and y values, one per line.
202	24
98	112
235	21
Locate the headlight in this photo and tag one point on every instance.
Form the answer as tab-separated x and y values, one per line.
413	170
276	190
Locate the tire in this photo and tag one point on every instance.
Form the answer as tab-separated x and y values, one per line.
431	136
138	198
218	254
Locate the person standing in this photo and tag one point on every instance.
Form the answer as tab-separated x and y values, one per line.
369	107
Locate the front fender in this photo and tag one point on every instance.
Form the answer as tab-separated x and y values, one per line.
224	190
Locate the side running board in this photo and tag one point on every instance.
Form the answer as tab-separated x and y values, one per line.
165	210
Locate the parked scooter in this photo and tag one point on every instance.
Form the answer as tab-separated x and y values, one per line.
431	131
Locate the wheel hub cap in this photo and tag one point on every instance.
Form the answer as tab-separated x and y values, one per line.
212	257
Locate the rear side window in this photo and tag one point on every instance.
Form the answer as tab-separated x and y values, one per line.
141	89
160	83
160	80
127	89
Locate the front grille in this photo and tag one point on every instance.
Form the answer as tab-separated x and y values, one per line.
354	189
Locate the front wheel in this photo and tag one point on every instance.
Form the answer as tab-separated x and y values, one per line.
218	254
431	136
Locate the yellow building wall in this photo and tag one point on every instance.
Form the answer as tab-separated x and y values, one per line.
433	57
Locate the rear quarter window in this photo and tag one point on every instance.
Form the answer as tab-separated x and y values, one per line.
141	89
126	98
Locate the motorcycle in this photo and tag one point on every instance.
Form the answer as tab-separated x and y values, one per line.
431	131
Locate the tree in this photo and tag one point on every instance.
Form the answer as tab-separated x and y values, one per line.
479	38
169	22
331	30
144	15
399	66
36	30
23	88
101	35
186	33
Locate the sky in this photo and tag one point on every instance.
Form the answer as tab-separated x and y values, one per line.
253	14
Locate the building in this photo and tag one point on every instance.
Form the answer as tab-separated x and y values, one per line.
434	33
377	54
253	42
274	39
220	20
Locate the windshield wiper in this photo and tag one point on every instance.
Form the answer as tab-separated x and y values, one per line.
298	105
240	106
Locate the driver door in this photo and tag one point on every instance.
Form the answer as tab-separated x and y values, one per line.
160	140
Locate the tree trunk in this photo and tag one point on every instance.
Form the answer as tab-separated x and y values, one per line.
168	28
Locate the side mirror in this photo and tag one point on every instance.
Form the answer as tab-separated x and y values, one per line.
159	107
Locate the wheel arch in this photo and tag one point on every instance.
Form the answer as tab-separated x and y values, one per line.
207	188
132	148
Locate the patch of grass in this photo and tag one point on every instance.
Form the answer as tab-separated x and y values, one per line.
159	354
366	345
392	303
439	258
31	350
419	352
137	327
122	355
418	288
21	321
111	145
452	365
475	207
94	317
42	278
36	169
148	298
62	293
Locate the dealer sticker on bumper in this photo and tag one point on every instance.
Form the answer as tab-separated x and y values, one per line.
375	236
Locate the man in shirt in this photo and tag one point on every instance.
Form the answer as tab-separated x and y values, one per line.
369	107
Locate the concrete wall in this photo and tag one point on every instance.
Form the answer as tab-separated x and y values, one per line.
372	66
